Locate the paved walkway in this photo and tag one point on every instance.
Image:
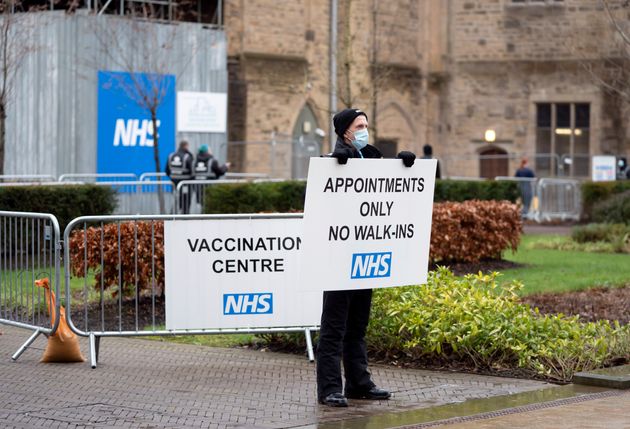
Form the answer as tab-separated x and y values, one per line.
143	383
534	228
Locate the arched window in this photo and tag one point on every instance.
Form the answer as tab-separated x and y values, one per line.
307	138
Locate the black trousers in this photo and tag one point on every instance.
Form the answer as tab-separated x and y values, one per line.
345	317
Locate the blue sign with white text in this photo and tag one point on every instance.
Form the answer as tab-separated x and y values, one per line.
125	130
371	265
248	303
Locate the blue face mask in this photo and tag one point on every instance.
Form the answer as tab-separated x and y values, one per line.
361	139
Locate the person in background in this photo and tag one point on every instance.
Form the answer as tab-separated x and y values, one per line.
207	168
345	313
526	185
427	153
178	168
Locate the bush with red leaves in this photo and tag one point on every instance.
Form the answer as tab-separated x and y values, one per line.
472	231
139	258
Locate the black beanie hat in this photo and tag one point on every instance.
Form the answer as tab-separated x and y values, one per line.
343	119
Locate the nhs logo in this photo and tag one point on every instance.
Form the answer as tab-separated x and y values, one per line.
371	265
134	132
248	303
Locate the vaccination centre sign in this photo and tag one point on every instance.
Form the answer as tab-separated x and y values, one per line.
366	224
125	131
236	273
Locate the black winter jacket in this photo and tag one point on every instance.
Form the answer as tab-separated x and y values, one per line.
368	151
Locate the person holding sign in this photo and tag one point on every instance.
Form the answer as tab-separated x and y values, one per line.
345	313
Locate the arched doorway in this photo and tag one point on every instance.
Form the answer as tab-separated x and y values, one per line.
493	162
307	139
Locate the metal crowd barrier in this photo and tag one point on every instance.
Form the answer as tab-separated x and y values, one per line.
142	197
229	175
96	310
551	198
190	194
527	186
152	176
558	199
106	177
29	250
32	178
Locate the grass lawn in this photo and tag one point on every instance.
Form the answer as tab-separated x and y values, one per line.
218	340
558	271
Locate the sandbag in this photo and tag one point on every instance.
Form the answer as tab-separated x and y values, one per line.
63	346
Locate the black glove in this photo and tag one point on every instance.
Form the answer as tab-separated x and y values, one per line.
342	155
408	158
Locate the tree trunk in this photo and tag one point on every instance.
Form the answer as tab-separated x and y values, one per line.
156	158
3	120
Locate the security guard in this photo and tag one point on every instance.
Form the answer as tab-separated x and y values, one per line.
207	168
345	313
178	168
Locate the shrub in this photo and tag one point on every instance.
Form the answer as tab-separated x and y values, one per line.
283	196
474	230
66	202
594	232
596	192
475	322
464	190
615	209
288	195
138	241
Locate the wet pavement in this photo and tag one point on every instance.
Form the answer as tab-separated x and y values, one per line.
154	384
609	411
148	383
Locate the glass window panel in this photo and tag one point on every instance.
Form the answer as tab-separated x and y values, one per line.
582	115
542	164
563	150
543	115
563	115
581	152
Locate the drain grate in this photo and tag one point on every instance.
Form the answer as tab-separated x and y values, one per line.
518	410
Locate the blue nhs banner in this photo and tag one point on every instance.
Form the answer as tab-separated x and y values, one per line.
125	130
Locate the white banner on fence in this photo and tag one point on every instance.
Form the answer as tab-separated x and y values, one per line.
236	273
201	112
367	224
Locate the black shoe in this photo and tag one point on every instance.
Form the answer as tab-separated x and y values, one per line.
374	393
334	400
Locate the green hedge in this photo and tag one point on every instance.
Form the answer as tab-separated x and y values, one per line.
288	196
66	202
464	190
598	232
615	209
597	192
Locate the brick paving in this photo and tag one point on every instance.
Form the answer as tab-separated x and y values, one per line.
154	384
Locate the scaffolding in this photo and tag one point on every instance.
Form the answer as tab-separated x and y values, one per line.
208	12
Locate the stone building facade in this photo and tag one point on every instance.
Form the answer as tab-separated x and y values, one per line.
439	72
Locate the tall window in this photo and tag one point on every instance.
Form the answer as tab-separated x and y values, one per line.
562	135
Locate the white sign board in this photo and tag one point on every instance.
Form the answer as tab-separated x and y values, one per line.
201	112
367	224
604	168
236	273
